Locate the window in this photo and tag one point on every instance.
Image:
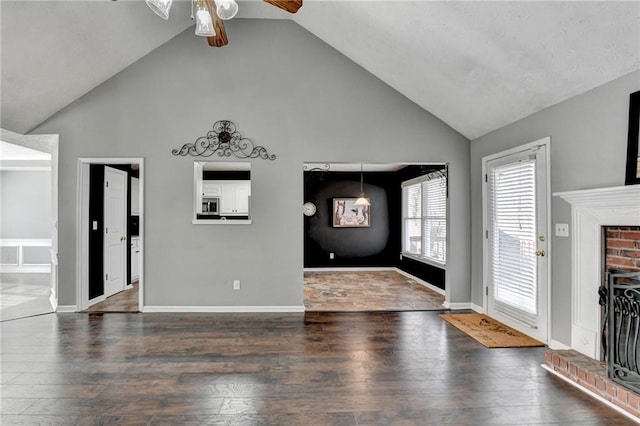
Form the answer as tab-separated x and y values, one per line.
424	211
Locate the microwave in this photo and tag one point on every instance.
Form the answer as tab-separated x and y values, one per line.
211	205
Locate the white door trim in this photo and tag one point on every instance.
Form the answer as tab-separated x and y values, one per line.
82	227
485	225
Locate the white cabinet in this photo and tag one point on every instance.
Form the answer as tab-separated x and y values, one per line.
234	198
211	188
135	196
135	258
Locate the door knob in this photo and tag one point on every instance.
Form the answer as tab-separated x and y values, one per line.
540	253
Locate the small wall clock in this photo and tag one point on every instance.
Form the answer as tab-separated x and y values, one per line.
309	209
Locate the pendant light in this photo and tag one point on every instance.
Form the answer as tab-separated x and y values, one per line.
160	7
227	9
204	23
361	201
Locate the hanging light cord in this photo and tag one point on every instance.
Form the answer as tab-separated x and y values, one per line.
361	180
192	9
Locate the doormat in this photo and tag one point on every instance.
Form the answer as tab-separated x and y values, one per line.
489	332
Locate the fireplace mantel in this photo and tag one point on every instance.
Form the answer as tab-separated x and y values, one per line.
591	209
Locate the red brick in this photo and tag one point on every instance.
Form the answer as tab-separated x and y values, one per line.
564	364
612	389
632	254
630	235
582	375
600	384
573	370
556	359
634	401
591	379
621	243
613	233
622	261
623	395
547	357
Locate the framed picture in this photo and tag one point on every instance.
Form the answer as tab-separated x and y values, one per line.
633	149
347	215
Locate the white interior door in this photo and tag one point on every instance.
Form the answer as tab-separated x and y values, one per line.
516	240
115	230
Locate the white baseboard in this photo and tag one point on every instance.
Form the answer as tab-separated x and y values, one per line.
31	269
592	394
223	309
422	282
53	299
67	308
554	344
351	269
457	306
479	309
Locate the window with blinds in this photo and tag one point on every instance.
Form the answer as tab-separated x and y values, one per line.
424	202
512	225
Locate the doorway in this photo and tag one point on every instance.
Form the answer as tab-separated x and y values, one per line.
365	257
28	235
516	250
110	224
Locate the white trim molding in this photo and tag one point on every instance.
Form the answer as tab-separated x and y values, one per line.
592	209
477	308
223	309
421	282
21	266
457	306
558	346
66	309
350	269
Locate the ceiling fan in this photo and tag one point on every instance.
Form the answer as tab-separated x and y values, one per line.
211	15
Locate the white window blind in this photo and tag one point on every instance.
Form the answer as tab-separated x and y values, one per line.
512	215
425	218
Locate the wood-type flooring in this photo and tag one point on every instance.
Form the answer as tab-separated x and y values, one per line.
367	291
124	301
380	368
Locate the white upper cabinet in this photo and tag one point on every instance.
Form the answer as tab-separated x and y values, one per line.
234	199
135	196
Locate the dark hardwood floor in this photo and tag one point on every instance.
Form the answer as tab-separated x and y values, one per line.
381	368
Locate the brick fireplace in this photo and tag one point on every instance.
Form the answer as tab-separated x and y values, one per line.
605	236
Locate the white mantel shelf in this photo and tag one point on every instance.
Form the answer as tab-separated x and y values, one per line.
591	209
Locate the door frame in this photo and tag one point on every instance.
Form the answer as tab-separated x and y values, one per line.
46	143
546	142
82	228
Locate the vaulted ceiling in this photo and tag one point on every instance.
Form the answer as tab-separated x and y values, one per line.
476	65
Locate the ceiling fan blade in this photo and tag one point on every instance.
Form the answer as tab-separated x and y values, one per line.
220	39
290	6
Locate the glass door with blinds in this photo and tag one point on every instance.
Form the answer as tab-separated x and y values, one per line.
516	261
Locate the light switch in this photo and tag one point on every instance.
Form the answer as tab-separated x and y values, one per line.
95	225
562	229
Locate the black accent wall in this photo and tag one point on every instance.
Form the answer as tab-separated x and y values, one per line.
96	237
378	245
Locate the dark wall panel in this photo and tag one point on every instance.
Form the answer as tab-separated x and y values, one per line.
96	238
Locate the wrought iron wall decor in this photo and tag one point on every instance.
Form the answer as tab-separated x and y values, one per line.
224	140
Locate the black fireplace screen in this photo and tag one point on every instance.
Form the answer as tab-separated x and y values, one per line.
621	329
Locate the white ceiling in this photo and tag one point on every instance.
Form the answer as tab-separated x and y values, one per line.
476	65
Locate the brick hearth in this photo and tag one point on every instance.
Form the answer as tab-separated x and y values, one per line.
592	375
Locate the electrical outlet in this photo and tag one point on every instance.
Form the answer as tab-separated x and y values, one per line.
400	256
562	229
236	284
332	256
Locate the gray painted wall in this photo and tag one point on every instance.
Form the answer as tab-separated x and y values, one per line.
291	93
588	150
25	205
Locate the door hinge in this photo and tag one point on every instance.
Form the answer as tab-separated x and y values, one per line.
106	230
486	178
107	277
486	234
107	184
486	291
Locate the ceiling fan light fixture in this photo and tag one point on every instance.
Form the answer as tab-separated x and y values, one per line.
204	23
227	9
160	7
